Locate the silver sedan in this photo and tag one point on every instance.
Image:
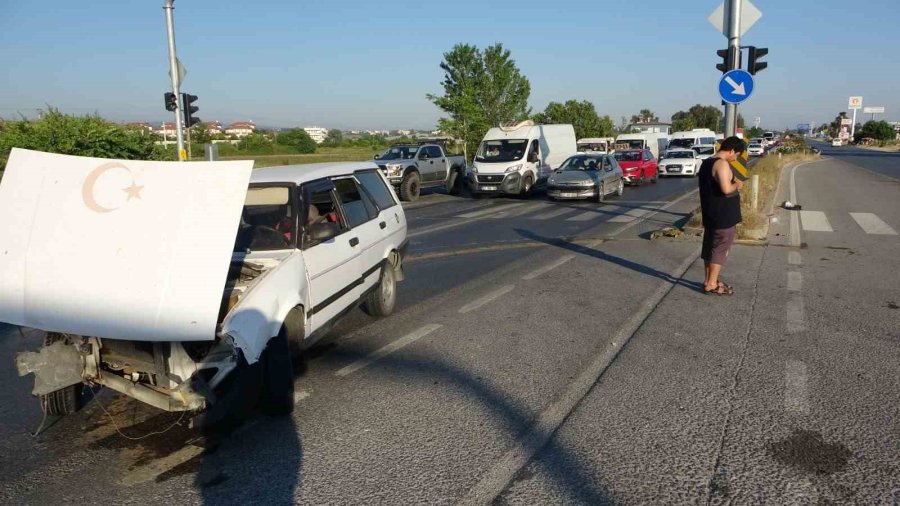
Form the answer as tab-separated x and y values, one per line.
586	176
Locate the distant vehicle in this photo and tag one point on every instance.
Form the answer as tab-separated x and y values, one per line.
755	149
680	162
704	151
690	138
513	160
638	166
596	145
769	137
654	141
586	176
411	167
836	141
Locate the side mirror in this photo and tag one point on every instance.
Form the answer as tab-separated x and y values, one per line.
375	156
323	231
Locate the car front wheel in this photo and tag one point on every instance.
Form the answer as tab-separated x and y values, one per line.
382	300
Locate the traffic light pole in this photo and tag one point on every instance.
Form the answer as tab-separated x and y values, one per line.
733	21
173	71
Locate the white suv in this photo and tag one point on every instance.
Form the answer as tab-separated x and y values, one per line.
163	308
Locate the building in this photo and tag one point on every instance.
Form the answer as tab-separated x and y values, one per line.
167	129
214	128
651	127
317	134
142	126
240	129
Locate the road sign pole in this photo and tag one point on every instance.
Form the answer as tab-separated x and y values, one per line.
733	24
168	7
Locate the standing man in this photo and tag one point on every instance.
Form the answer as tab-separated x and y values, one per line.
720	204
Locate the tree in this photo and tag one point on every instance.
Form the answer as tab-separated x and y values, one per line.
581	115
481	90
698	116
256	143
200	134
297	139
90	135
878	130
753	132
334	139
645	116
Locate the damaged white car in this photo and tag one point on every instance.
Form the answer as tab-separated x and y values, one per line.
188	285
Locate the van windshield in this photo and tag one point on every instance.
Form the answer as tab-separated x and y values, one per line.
507	150
681	143
630	144
592	146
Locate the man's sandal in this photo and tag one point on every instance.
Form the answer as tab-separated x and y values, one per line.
722	289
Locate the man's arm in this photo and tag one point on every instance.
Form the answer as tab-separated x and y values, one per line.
722	174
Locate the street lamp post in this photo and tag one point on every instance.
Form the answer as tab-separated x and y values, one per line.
173	71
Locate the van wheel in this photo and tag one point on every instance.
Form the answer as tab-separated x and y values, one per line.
278	388
527	186
453	182
382	300
64	401
410	187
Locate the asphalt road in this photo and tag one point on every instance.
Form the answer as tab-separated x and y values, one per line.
543	353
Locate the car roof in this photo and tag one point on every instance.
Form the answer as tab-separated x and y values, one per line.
303	173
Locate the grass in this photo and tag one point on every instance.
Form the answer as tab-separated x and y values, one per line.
354	154
769	171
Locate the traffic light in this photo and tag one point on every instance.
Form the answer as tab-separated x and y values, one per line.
186	102
171	103
727	56
754	54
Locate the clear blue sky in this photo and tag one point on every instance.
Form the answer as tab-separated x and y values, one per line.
363	64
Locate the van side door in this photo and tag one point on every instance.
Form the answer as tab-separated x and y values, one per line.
534	161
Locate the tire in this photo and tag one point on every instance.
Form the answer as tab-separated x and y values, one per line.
383	298
642	179
601	193
453	185
277	396
410	187
655	177
620	189
527	186
294	328
64	401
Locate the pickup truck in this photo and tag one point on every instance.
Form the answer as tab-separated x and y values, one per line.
411	167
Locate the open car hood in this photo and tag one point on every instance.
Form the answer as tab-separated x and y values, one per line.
118	249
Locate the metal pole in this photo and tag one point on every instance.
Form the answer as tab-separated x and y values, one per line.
853	126
173	71
754	195
733	20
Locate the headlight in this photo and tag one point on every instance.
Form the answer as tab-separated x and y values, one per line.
514	168
394	169
474	170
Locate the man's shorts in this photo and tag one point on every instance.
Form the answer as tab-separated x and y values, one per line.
716	244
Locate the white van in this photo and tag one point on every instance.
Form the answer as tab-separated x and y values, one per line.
513	160
655	142
689	139
186	285
596	145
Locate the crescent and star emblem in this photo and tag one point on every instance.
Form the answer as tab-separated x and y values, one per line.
87	190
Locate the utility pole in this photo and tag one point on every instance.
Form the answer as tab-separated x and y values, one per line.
733	24
168	7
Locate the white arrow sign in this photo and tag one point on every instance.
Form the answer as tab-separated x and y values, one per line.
749	16
738	89
181	71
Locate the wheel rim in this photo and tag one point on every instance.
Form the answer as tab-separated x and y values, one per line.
387	290
601	192
527	185
621	187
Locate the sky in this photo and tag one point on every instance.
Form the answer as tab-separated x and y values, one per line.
369	65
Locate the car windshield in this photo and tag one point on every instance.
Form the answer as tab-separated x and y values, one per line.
680	154
507	150
398	153
267	221
681	143
754	145
581	163
704	150
628	156
630	144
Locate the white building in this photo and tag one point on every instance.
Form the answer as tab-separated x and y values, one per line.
318	134
167	130
240	129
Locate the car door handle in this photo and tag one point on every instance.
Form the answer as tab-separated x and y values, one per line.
382	225
354	241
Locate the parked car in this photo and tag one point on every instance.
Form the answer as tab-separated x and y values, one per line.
193	307
638	166
586	176
755	149
680	162
411	167
513	160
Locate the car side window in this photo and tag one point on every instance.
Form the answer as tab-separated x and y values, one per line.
373	183
607	163
321	207
356	209
424	154
434	152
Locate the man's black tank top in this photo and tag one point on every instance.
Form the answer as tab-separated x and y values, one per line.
719	210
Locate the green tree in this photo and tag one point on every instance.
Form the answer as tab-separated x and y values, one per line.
200	135
753	133
581	115
878	130
255	143
645	116
481	89
698	116
297	139
682	121
90	135
334	139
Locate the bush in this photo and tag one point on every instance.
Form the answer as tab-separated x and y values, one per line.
298	140
255	143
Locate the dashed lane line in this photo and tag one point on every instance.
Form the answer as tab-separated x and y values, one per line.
485	299
796	317
387	350
630	215
491	210
794	258
585	216
547	268
552	214
794	281
796	388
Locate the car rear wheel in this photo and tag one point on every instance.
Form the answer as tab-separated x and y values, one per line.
453	182
382	300
410	186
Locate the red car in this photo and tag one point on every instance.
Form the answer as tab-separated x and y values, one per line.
638	165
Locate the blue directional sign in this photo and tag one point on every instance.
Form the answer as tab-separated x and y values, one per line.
803	127
736	86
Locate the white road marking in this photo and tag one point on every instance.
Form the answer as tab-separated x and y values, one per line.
630	215
796	388
552	214
585	216
794	281
300	395
815	221
796	317
547	268
872	224
477	303
388	349
490	210
794	258
525	209
630	224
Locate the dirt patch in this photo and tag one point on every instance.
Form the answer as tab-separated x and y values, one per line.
807	450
